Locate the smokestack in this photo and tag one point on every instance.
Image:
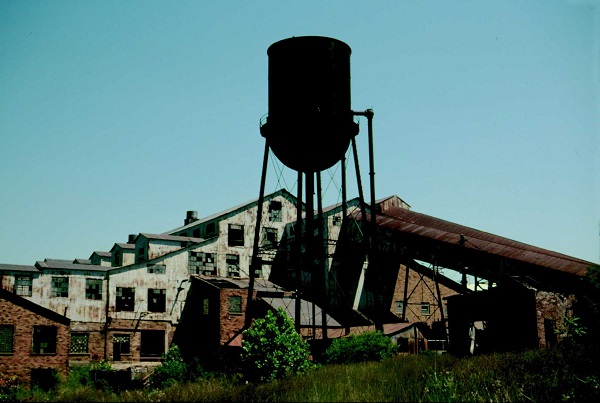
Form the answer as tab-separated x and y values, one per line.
190	217
131	238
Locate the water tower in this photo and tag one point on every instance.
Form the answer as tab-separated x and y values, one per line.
309	127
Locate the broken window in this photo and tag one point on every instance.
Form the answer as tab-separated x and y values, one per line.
79	343
235	304
157	269
125	299
203	263
93	288
269	237
399	307
23	285
233	265
60	287
121	344
336	220
157	300
425	308
44	340
235	235
275	211
7	333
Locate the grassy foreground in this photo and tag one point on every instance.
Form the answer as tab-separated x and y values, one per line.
561	374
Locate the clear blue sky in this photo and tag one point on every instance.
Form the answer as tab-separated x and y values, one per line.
117	117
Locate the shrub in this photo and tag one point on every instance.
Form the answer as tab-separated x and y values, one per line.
368	346
8	387
174	369
272	349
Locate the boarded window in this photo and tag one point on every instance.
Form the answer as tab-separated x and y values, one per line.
60	287
157	269
203	263
235	235
399	307
275	211
233	265
157	301
93	288
23	285
235	304
7	333
44	340
79	343
125	299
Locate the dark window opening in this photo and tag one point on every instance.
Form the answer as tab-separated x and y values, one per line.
121	345
141	256
125	299
269	237
93	288
157	300
235	235
23	285
157	269
60	287
152	343
44	340
337	220
210	229
7	333
118	258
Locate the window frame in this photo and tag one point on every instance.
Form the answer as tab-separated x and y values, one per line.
160	305
235	235
235	305
122	303
9	329
58	287
425	308
88	288
44	334
20	285
74	337
233	264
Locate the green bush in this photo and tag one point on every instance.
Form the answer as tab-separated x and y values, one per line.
272	349
368	346
174	370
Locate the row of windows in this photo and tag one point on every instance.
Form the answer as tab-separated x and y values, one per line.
425	308
157	299
235	305
206	263
44	341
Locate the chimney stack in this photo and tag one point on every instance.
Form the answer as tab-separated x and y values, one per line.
190	217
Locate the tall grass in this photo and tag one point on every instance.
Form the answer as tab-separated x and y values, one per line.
537	376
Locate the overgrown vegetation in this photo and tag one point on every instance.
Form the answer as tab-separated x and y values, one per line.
272	349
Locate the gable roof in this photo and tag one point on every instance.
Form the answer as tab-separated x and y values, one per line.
17	267
33	307
241	207
57	264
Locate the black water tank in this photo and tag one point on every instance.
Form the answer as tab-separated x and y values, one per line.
310	123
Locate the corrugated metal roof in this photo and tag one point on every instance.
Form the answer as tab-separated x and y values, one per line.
17	267
422	225
175	238
67	265
101	254
260	284
306	311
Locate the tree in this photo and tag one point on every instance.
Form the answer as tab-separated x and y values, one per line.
272	349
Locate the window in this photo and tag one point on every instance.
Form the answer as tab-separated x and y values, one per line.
399	307
23	285
205	306
152	343
233	265
141	255
123	343
7	333
235	304
337	220
196	233
203	263
44	340
93	288
60	287
79	343
157	269
118	259
275	211
157	300
269	237
125	299
425	308
235	235
210	229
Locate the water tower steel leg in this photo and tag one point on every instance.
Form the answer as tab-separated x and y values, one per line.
323	257
298	249
255	264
